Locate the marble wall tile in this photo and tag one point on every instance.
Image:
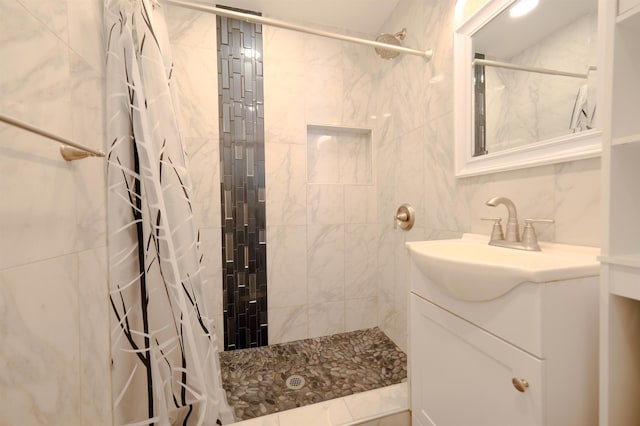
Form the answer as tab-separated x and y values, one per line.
190	28
88	128
57	370
204	167
288	324
34	72
386	263
85	31
578	196
284	98
53	14
439	27
446	203
325	204
95	359
325	263
409	179
38	211
328	81
287	266
361	313
321	51
281	45
196	70
360	204
386	160
326	318
286	190
361	260
358	95
40	343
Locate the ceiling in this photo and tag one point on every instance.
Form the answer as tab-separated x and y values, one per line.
364	17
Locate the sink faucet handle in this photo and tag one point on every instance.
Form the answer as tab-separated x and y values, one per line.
529	237
496	232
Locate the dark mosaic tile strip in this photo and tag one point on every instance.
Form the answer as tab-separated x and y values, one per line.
332	366
244	250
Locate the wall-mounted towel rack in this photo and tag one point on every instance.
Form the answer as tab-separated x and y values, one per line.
70	150
510	66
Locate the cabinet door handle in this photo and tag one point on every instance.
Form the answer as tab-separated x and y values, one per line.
520	384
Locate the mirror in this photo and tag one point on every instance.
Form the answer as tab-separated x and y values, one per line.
526	86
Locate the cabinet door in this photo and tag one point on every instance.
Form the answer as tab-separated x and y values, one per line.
461	375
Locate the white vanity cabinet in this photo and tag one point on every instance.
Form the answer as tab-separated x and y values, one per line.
463	375
466	358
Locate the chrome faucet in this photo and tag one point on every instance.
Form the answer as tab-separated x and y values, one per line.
512	237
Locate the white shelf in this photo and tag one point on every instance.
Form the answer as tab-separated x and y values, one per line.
624	281
632	261
624	140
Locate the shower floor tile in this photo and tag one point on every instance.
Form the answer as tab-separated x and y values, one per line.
332	367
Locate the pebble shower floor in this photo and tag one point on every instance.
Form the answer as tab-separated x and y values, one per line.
331	367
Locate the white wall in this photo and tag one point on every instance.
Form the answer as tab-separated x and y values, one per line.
54	329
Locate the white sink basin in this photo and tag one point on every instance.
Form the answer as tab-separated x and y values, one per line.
470	269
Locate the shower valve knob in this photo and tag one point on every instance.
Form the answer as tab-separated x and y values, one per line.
405	217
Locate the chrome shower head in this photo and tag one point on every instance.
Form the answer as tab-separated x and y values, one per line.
392	39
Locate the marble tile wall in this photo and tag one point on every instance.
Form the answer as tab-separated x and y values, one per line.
54	323
322	226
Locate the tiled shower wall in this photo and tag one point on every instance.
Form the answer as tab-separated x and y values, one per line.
54	317
322	226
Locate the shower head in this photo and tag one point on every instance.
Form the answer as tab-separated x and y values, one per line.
392	39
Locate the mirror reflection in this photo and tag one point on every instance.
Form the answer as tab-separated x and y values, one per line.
534	74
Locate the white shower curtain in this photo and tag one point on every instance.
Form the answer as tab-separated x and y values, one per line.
164	347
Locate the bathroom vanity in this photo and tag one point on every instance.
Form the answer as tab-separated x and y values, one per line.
524	354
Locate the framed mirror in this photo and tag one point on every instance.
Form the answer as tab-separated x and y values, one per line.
526	85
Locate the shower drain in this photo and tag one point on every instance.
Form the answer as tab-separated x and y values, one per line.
295	382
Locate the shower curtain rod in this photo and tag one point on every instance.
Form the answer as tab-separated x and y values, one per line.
70	150
507	65
254	19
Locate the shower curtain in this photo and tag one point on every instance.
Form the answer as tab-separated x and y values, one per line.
165	369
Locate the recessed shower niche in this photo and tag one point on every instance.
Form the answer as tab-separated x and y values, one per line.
339	155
